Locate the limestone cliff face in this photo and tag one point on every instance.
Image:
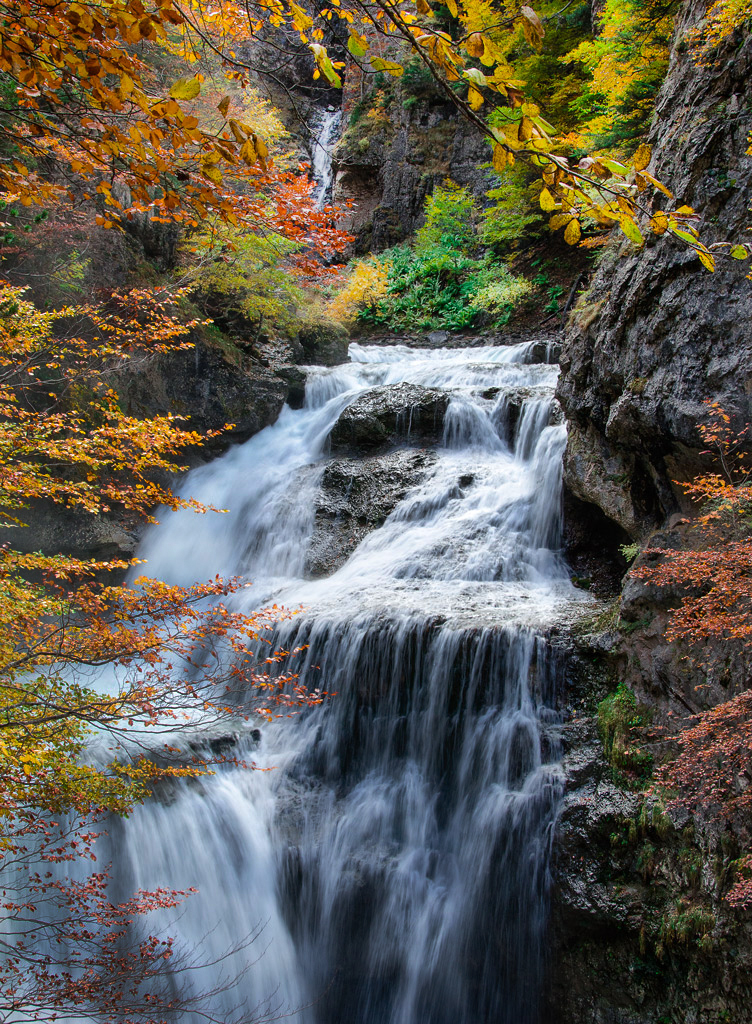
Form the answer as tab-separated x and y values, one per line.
398	143
657	335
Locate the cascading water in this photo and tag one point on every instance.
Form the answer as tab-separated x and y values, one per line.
397	854
324	138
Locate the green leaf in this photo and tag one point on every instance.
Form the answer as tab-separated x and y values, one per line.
631	230
739	252
613	165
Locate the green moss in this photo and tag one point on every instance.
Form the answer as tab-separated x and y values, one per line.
618	723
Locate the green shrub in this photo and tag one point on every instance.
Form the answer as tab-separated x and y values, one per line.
445	281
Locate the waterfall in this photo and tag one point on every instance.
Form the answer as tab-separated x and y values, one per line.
395	858
324	138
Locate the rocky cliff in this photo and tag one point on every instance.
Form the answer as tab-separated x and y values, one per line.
400	138
641	932
656	335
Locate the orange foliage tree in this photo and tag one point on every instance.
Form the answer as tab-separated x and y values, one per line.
82	94
713	768
175	656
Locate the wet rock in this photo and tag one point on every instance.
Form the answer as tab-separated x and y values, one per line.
395	414
209	389
323	344
55	530
356	496
545	352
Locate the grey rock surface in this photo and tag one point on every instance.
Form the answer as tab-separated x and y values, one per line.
355	497
657	336
395	414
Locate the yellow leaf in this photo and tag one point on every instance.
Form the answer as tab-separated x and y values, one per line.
475	45
452	7
248	152
547	201
475	98
499	158
707	260
738	252
423	7
559	220
389	66
572	232
525	130
223	106
642	157
357	44
213	173
185	89
631	230
659	222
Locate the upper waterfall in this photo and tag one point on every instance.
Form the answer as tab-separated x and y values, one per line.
324	138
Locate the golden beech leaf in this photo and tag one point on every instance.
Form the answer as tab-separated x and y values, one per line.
707	260
642	157
532	27
659	223
391	67
657	184
248	152
559	220
185	89
738	252
475	44
525	130
452	8
223	106
499	158
547	201
572	232
475	98
423	7
240	135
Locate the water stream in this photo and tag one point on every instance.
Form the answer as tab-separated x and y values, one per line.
396	857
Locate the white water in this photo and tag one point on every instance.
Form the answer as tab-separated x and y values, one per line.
325	135
397	854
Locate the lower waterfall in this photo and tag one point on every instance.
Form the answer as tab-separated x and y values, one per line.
394	860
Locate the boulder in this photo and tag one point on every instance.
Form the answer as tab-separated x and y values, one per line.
356	496
407	414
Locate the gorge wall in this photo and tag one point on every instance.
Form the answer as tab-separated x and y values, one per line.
642	931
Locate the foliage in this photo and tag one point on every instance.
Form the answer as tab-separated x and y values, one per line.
618	723
627	62
722	19
714	758
443	281
242	276
172	654
366	285
91	106
449	213
84	100
514	210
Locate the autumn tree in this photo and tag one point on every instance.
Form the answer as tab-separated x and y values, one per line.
713	573
174	656
79	93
